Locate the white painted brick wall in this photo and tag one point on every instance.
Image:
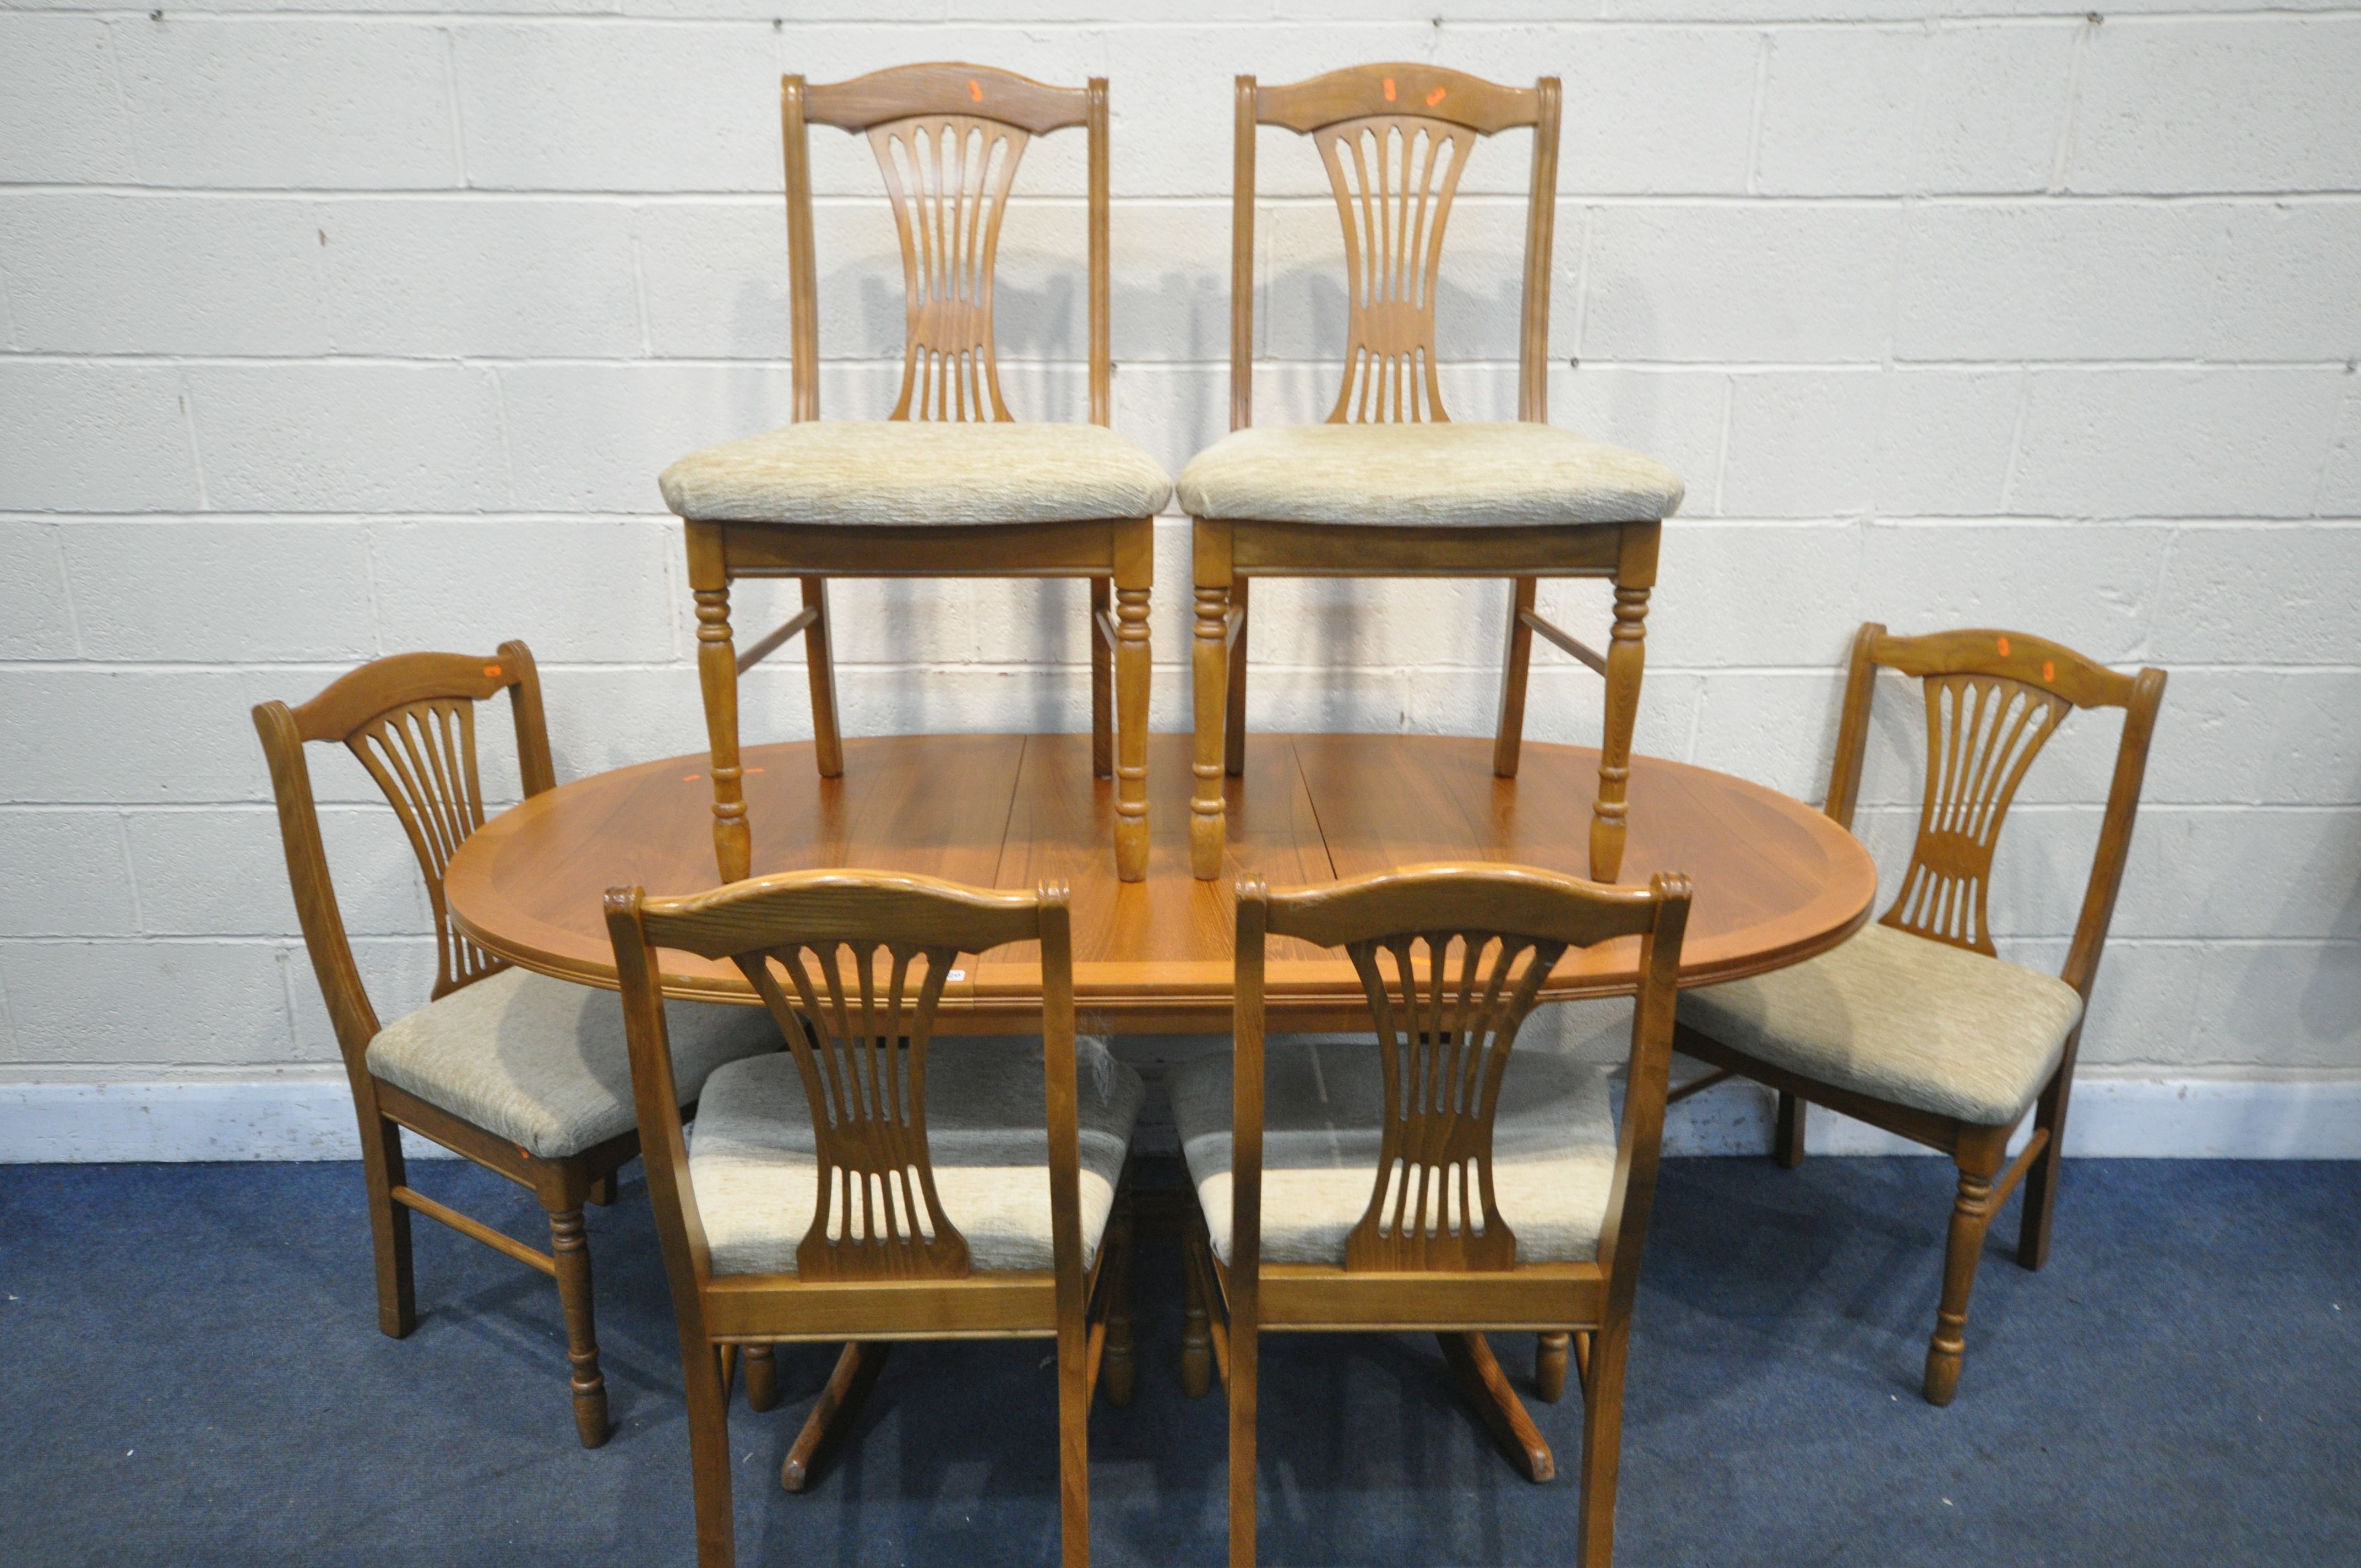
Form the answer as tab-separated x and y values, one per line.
330	334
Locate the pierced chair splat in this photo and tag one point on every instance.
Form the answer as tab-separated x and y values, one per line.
525	1075
950	484
871	1184
1428	1179
1915	1024
1390	486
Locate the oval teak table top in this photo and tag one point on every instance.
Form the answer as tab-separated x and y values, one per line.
1777	882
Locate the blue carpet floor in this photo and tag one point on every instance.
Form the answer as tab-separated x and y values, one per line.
191	1373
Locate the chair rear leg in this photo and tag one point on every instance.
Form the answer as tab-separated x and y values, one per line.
1787	1138
819	662
571	1250
382	1170
709	1452
603	1190
1074	1440
2041	1179
1602	1442
1102	680
1508	743
1971	1215
1233	730
1243	1379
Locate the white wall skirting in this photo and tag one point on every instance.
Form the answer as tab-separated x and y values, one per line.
308	1116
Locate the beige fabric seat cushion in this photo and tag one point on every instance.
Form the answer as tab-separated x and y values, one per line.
856	471
1902	1019
544	1063
752	1165
1473	475
1552	1146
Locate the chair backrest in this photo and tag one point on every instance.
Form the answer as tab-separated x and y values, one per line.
1395	139
1994	699
851	965
411	720
948	138
1452	958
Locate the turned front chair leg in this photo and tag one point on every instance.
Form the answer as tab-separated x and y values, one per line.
1970	1214
1118	1369
762	1376
717	676
571	1250
1102	680
1635	575
1134	576
1196	1330
1210	669
1626	657
1550	1352
382	1171
820	663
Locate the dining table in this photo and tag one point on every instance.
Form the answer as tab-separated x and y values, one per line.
1776	881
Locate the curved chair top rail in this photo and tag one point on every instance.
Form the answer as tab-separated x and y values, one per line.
843	906
1519	901
1423	92
945	87
360	698
2017	656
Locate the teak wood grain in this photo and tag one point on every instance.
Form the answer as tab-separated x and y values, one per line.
410	720
1992	700
1395	139
1776	880
948	138
1451	959
895	1266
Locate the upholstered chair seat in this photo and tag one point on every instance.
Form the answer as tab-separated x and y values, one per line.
1902	1019
544	1063
910	471
1553	1147
752	1159
1424	475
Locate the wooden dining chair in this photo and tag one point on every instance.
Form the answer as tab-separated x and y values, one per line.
1390	486
1915	1024
950	485
1430	1180
862	1186
524	1075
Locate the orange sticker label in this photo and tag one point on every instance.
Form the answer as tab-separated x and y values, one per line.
690	778
1390	89
2003	647
975	89
1434	97
754	770
492	669
2048	670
